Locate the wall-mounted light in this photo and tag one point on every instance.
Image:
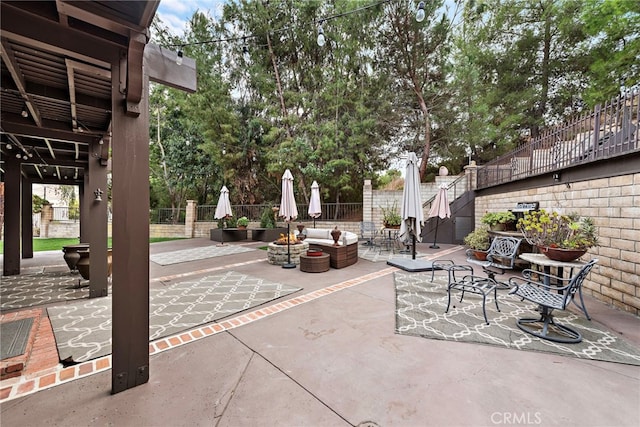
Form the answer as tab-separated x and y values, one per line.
420	13
179	57
556	177
321	40
98	194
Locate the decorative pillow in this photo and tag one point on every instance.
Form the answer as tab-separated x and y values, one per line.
318	233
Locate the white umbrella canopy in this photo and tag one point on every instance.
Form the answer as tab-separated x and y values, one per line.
288	208
411	209
439	209
315	209
223	208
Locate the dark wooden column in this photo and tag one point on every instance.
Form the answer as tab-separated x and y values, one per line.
84	201
12	179
130	201
27	219
97	219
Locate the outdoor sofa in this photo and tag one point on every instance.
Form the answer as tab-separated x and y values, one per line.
343	255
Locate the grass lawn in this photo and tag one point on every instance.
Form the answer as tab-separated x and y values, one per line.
55	244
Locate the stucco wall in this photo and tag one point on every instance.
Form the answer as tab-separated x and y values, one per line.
614	205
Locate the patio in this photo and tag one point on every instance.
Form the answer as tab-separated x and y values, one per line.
328	355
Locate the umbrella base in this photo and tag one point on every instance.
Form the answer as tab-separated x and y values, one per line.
434	246
291	265
411	265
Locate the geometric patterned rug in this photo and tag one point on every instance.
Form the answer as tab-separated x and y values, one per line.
175	257
83	329
420	306
374	254
27	290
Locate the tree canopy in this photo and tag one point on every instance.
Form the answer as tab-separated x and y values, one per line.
471	81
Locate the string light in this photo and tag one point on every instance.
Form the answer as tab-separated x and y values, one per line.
24	112
420	13
321	40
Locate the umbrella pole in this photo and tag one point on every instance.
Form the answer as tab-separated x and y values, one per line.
435	237
288	264
413	235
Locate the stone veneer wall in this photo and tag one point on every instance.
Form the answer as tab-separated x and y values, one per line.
614	205
374	200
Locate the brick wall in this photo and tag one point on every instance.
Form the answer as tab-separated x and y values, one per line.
614	205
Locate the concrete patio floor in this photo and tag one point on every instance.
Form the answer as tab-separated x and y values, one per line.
334	360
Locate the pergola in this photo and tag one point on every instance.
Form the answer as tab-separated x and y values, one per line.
74	105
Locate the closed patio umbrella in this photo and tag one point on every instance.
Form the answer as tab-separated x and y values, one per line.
288	210
439	209
223	208
315	209
411	209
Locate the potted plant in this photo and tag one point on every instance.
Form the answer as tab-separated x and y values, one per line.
559	237
498	220
242	222
478	242
390	216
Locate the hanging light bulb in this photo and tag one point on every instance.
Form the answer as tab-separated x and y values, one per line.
420	13
101	141
9	146
24	112
224	151
179	57
18	156
321	40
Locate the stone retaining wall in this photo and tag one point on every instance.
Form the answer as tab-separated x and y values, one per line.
614	205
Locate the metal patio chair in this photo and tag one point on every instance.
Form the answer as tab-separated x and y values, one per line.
549	297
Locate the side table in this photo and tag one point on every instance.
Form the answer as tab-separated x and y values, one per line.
475	285
314	264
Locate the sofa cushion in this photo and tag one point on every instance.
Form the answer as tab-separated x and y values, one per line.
319	233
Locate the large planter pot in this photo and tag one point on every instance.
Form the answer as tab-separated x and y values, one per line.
564	255
498	227
71	255
83	264
480	255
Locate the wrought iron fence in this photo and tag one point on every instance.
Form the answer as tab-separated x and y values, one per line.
330	211
607	131
167	216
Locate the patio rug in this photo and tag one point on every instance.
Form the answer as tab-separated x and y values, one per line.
420	306
27	290
374	254
194	254
14	336
83	329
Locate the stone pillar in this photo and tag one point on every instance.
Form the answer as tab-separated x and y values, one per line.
46	216
190	218
471	171
367	201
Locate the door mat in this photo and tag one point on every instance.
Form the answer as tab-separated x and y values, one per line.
14	336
